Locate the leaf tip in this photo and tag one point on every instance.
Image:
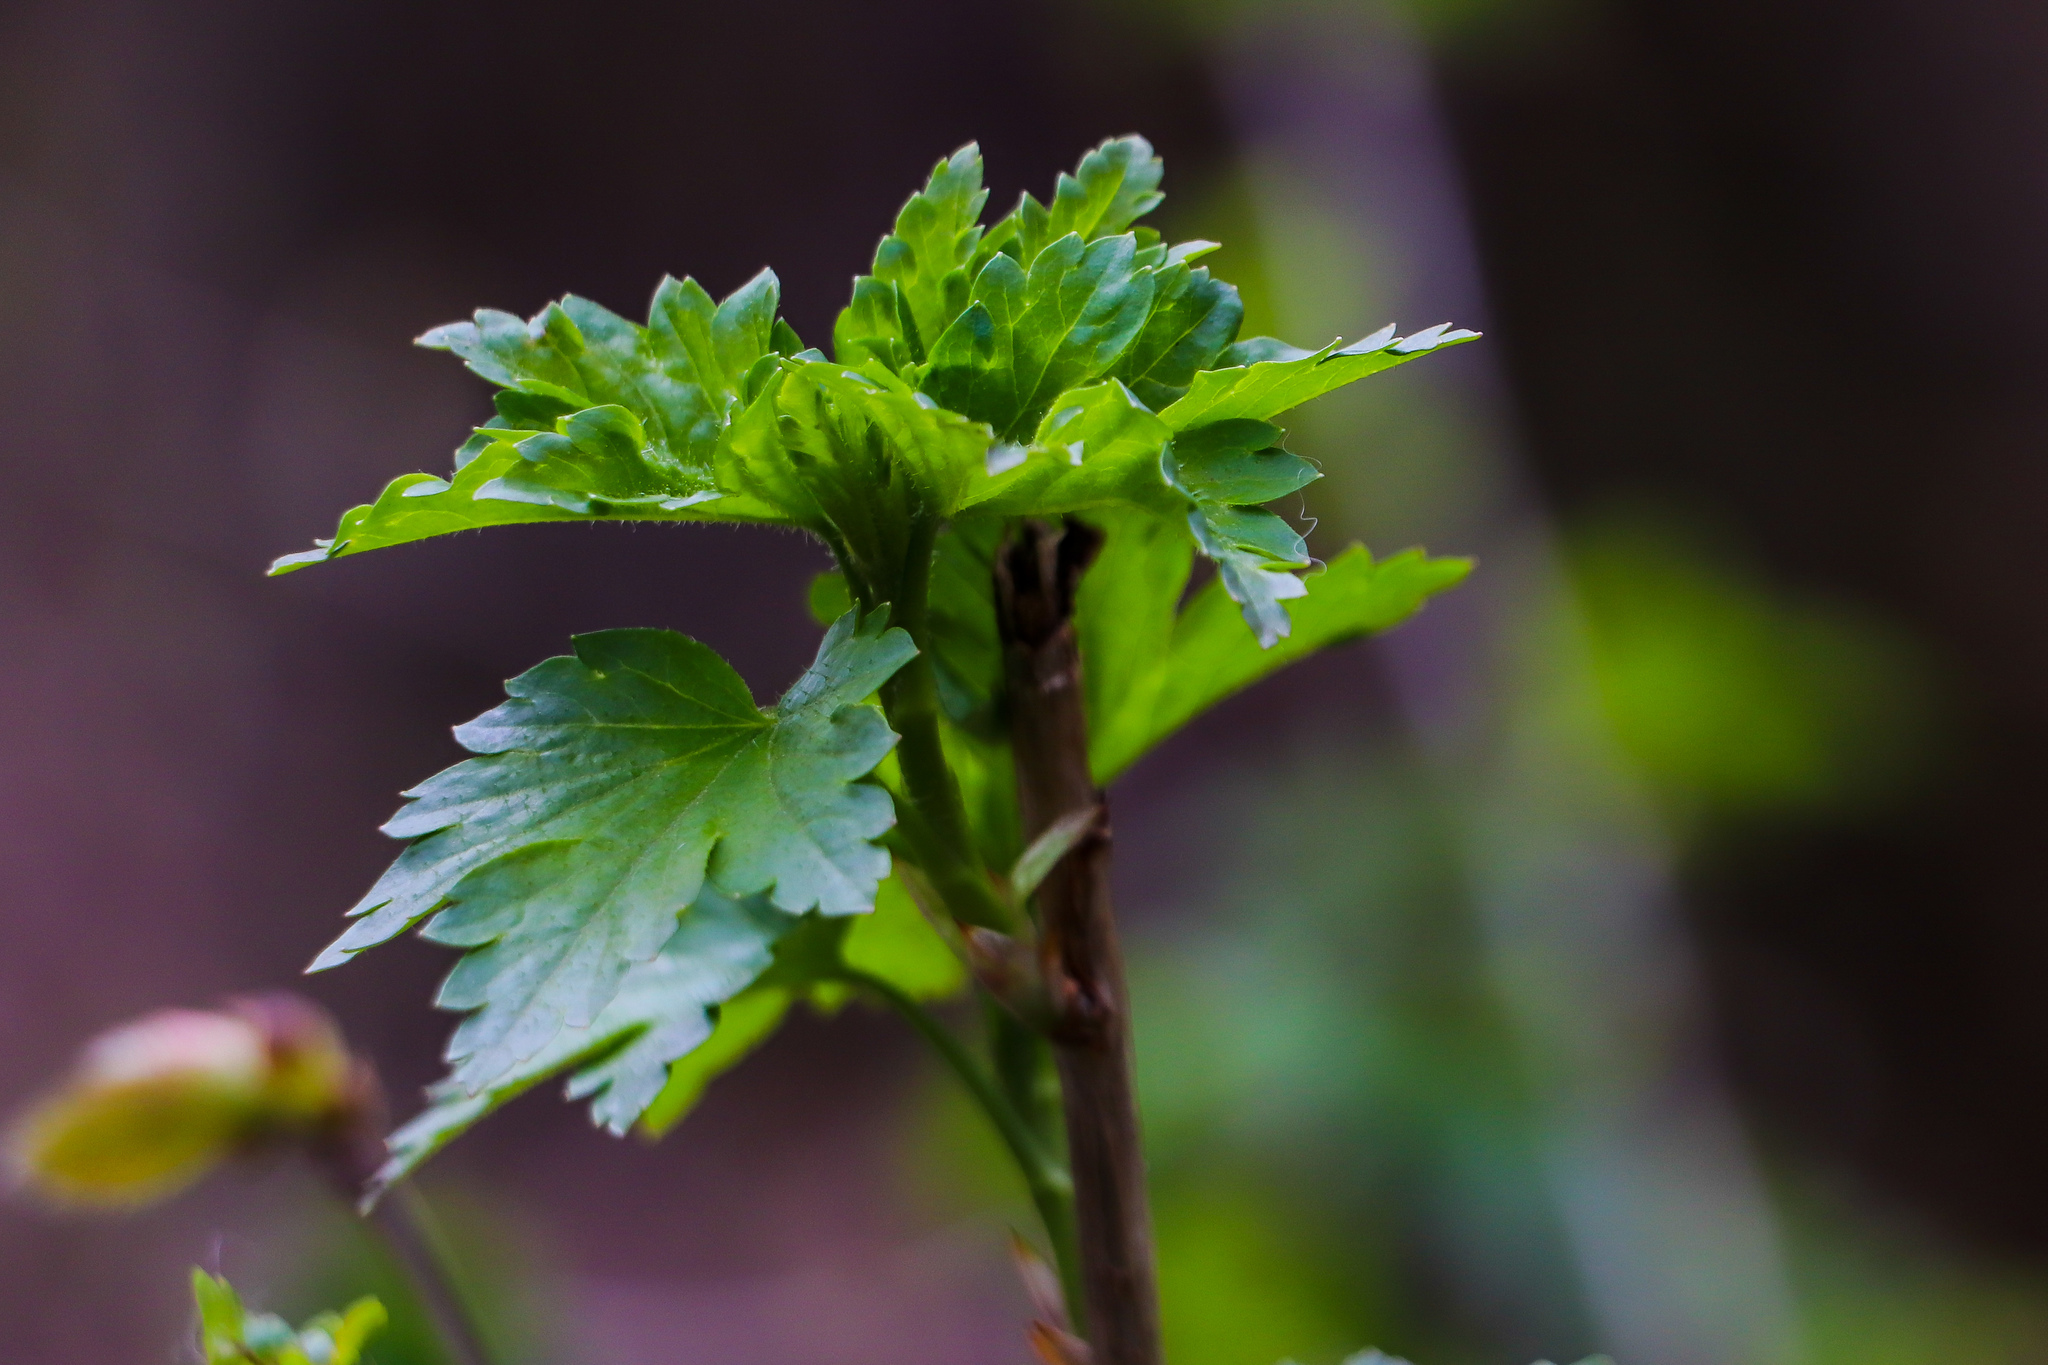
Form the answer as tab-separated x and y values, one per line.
445	337
299	559
332	956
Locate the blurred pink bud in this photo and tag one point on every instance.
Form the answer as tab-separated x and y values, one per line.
154	1104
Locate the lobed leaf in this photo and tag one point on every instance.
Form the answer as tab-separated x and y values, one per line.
610	787
924	260
500	488
877	325
1236	464
856	456
1193	318
1270	386
1150	691
1115	185
1256	554
597	418
231	1335
1208	459
1083	347
1099	446
621	1060
1025	337
718	988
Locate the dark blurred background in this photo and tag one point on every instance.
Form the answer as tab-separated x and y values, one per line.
1753	668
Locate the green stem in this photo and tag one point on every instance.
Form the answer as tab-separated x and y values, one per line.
1023	1072
1023	1068
935	828
409	1233
348	1154
1052	1191
939	832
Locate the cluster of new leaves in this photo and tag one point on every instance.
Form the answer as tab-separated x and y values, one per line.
1058	361
645	868
231	1335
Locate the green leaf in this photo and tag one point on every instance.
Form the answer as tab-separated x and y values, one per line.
1113	187
1210	657
1208	458
1270	387
1097	447
744	1023
1256	554
855	456
876	326
1125	612
1237	464
1193	318
622	1059
898	944
230	1335
743	329
829	597
1026	337
598	418
927	256
895	943
934	453
1220	467
1100	447
611	784
1252	350
718	988
967	654
499	487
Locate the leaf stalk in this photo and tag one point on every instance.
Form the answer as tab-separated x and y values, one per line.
349	1157
937	828
1050	1186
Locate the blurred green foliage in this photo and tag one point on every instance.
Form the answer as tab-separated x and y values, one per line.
1876	1292
1731	698
1339	1145
231	1335
502	1277
1242	1278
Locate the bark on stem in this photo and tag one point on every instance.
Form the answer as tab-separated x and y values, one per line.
1037	573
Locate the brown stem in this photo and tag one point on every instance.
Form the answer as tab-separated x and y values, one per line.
1036	576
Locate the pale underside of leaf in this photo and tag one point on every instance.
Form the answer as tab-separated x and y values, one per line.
620	1059
705	1000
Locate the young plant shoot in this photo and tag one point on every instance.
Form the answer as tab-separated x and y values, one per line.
1028	439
